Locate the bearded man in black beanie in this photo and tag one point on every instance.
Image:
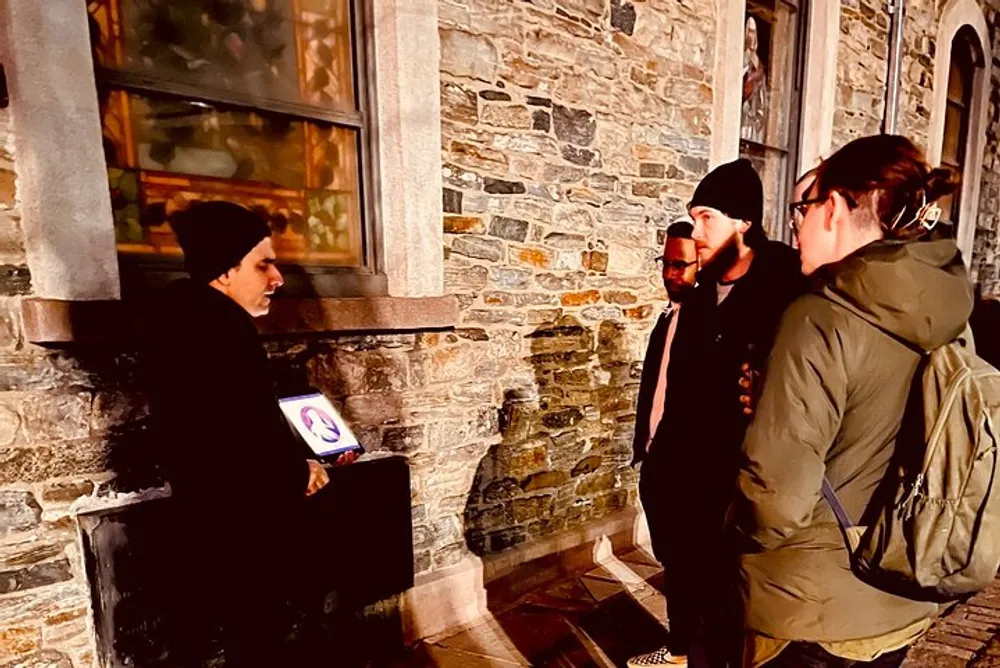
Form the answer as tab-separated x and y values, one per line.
238	476
744	285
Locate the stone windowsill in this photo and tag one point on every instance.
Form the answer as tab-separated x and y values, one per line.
53	321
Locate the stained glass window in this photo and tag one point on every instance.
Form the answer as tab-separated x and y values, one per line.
254	101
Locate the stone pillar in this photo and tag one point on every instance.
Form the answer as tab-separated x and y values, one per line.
408	82
727	80
62	184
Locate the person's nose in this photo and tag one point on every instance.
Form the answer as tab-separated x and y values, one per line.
698	231
277	280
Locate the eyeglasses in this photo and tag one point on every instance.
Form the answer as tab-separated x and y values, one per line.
797	211
674	265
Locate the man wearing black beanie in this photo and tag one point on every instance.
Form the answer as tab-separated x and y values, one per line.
744	284
232	462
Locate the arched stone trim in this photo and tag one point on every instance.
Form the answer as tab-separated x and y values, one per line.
957	14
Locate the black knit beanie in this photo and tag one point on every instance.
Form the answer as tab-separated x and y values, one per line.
734	189
215	237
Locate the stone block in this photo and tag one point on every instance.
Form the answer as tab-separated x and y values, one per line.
463	225
544	480
479	248
67	491
595	261
495	317
18	641
467	55
580	298
56	417
38	575
580	156
404	439
448	555
563	174
601	313
541	120
506	116
15	280
620	297
519	300
461	178
476	157
651	189
510	278
562	419
458	278
501	187
563	240
452	200
649	170
574	126
494	96
623	16
39	463
19	511
459	104
348	373
527	256
510	229
586	466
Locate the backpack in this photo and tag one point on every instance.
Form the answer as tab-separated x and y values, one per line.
933	528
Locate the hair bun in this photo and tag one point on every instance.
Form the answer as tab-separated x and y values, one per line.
940	181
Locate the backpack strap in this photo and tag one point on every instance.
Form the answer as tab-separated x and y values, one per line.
843	519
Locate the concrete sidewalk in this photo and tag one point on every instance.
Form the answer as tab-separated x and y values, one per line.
614	611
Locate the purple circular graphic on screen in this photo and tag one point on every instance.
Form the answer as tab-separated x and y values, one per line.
320	424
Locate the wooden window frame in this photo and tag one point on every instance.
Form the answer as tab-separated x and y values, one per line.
140	274
967	70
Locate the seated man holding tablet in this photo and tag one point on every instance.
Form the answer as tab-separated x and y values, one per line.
239	477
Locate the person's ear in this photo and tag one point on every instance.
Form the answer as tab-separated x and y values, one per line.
225	280
835	209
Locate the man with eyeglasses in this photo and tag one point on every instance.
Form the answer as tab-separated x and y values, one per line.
678	267
729	320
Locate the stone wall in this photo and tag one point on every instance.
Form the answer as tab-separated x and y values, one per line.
573	132
986	249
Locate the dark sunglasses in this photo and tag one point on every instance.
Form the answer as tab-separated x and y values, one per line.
675	265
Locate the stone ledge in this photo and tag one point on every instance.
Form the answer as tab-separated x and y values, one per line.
291	316
55	321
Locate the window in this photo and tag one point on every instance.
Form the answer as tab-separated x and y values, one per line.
965	58
263	102
773	58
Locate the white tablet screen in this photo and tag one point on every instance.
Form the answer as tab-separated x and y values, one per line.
319	424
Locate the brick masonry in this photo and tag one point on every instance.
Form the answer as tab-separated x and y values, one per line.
573	132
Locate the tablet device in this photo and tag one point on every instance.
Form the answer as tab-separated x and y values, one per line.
320	425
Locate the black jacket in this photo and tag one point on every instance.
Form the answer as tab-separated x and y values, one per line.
647	384
228	451
702	430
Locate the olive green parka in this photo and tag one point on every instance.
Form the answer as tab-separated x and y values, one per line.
837	384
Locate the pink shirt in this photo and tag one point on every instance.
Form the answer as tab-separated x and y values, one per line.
660	394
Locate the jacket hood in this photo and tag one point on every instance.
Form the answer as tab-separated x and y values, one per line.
918	291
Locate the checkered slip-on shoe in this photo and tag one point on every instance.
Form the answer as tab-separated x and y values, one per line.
661	657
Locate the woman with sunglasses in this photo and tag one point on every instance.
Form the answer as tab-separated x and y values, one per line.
885	287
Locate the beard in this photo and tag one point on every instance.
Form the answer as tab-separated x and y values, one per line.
722	261
679	293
